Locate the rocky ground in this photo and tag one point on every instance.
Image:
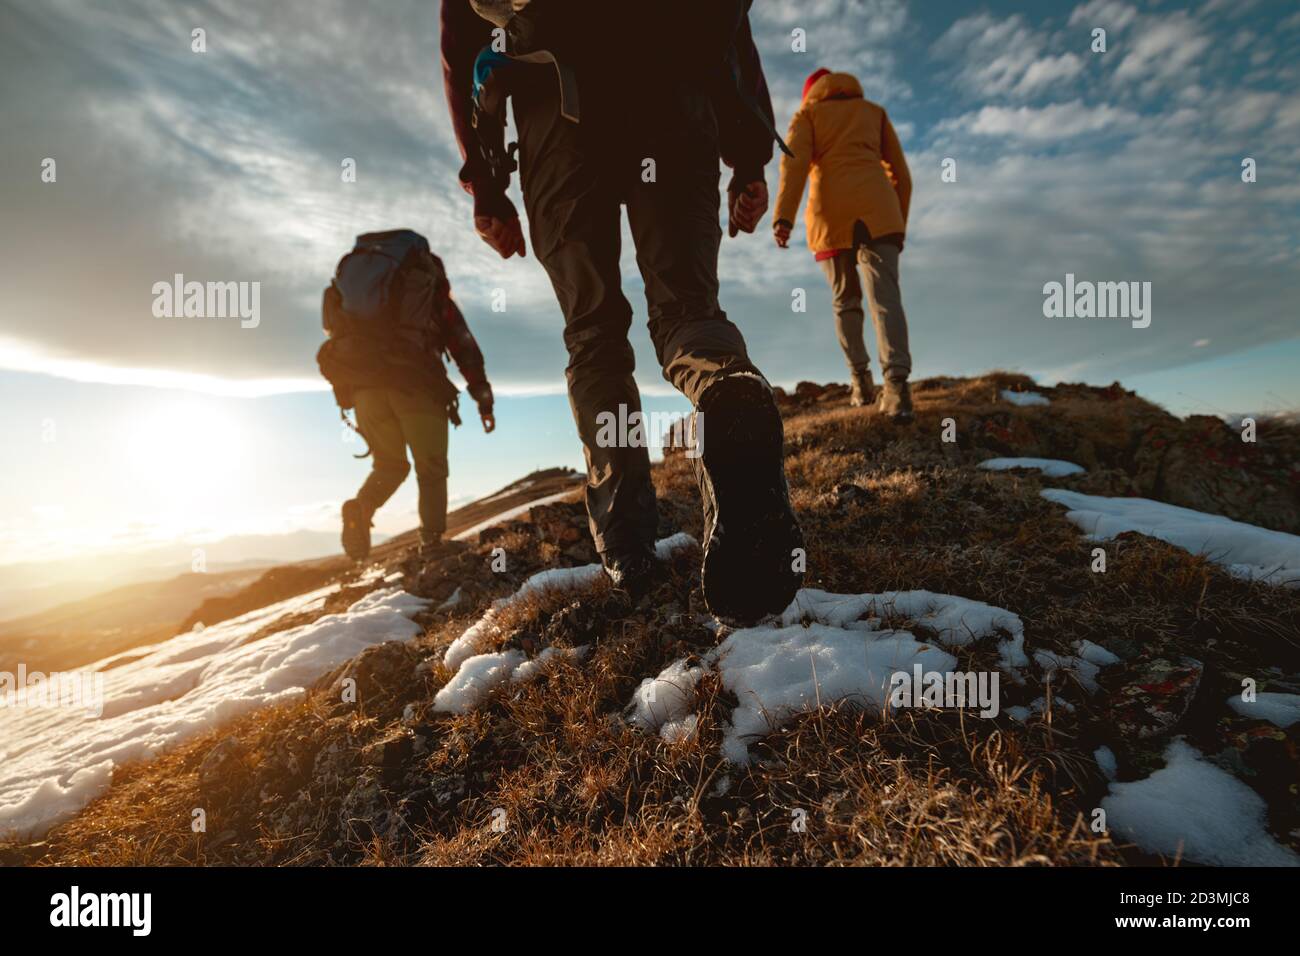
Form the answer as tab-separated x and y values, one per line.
552	771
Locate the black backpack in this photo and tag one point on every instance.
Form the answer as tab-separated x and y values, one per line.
380	312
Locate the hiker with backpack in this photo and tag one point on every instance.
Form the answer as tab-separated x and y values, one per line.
855	223
637	113
390	317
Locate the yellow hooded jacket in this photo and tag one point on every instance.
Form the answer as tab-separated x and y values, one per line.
857	167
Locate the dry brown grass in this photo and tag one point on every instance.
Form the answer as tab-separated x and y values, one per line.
576	785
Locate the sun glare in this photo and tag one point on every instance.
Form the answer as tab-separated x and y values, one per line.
186	454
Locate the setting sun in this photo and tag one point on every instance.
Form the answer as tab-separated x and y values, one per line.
186	453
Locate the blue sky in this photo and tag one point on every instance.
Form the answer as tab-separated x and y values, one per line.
225	165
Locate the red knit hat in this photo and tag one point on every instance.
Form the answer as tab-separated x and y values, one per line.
813	78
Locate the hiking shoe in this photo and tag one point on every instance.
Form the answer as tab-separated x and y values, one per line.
356	530
896	401
633	572
864	389
750	531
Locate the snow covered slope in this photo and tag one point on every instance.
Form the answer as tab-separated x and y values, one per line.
1256	554
56	760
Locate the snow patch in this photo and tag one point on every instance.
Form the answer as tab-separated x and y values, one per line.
1192	807
58	759
1105	758
666	547
1246	551
778	672
955	621
478	635
666	699
1095	654
480	674
1025	399
475	679
1051	467
1085	672
530	669
680	731
825	648
1281	710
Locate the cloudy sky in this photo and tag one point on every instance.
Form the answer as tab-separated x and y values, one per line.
123	429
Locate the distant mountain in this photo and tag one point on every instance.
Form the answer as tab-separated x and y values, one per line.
32	587
104	624
68	625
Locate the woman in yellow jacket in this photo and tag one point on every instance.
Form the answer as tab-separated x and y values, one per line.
856	221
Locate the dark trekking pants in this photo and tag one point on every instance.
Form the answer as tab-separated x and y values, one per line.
392	419
659	155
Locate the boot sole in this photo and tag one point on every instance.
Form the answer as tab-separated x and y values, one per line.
749	551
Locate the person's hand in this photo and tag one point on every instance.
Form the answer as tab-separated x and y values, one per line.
488	419
781	233
745	207
504	235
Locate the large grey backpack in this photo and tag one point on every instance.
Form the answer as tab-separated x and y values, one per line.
381	314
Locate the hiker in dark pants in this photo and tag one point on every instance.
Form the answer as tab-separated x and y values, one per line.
654	115
390	317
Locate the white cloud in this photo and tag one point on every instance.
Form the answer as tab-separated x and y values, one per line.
1248	109
1111	15
1163	49
1005	57
248	184
1288	116
1047	70
861	37
25	357
226	166
1056	121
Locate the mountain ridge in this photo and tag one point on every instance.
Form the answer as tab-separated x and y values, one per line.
390	778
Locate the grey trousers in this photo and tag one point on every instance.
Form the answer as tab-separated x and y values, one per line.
877	263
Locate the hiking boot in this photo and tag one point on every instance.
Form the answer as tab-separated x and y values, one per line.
356	530
864	389
750	531
896	401
633	572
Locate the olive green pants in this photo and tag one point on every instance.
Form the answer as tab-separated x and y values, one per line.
392	420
